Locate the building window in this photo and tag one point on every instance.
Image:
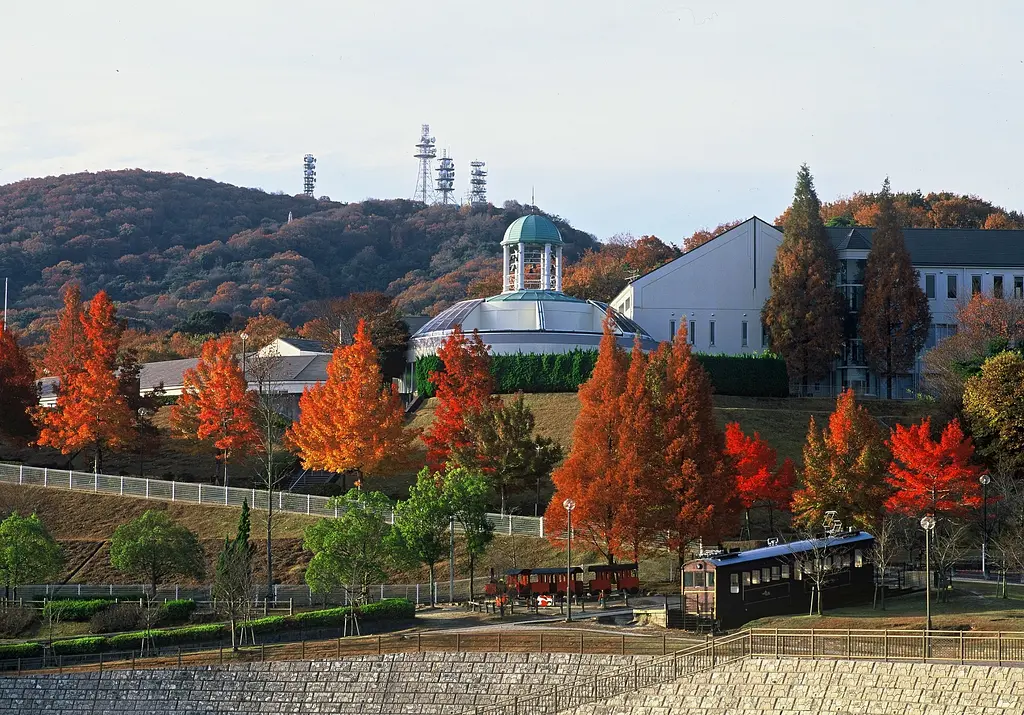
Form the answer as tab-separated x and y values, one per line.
776	573
1018	286
693	332
858	558
766	575
711	579
997	286
671	330
711	333
764	337
975	286
688	579
785	572
743	333
755	577
746	578
929	286
951	287
734	583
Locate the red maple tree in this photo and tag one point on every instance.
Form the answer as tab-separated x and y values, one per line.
760	480
215	405
91	409
464	388
353	421
587	476
929	476
17	388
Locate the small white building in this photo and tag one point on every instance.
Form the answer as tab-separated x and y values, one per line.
719	288
531	314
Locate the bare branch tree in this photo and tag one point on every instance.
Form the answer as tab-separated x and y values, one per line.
891	538
950	543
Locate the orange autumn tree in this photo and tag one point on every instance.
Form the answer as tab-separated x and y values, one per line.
66	346
353	421
464	390
17	389
90	409
844	468
215	406
932	477
760	480
699	476
588	475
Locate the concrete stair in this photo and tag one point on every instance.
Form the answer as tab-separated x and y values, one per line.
790	686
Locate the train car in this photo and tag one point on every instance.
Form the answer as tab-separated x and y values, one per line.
524	583
609	578
731	589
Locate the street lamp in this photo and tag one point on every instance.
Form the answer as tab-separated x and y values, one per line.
569	505
244	336
985	481
928	524
143	414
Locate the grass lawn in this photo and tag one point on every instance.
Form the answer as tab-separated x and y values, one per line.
970	606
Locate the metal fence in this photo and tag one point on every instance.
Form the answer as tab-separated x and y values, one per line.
214	495
418	593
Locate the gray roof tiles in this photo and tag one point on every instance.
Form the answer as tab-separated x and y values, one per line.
945	246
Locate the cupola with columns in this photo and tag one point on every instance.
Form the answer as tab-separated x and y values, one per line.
531	255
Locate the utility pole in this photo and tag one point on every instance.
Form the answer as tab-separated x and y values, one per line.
451	559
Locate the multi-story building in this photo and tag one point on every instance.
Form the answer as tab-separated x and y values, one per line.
719	288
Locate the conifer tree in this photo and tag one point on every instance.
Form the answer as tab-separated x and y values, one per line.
464	390
587	476
17	389
66	347
353	420
803	314
894	318
844	468
700	478
90	409
215	405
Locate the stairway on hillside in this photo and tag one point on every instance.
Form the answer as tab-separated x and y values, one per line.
792	686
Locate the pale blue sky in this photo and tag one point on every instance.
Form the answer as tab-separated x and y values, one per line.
651	116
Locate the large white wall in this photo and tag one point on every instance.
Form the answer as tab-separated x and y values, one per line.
725	281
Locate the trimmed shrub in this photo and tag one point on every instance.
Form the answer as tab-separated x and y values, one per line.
175	612
78	610
389	609
79	646
116	618
268	624
191	634
20	650
759	375
126	641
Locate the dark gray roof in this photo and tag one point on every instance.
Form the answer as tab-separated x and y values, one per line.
292	368
945	246
166	372
794	547
309	346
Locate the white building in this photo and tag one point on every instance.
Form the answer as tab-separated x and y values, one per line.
531	314
719	288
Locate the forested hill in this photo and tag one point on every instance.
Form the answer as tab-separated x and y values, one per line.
166	245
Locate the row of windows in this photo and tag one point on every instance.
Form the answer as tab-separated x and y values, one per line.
998	286
770	574
691	335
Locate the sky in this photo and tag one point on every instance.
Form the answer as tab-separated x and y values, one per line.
647	117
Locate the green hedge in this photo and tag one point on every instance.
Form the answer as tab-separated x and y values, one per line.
75	609
759	375
388	609
178	611
20	650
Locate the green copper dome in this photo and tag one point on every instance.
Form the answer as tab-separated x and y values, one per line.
532	229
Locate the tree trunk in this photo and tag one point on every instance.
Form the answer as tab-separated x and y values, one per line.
270	527
472	570
819	599
502	491
746	522
430	584
97	459
225	468
771	519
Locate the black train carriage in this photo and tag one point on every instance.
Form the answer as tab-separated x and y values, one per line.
739	587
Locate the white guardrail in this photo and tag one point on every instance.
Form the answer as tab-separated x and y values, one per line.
214	495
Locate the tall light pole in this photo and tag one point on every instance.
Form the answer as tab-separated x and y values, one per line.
928	524
569	505
243	336
985	481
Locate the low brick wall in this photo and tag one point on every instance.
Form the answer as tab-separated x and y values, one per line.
420	683
790	686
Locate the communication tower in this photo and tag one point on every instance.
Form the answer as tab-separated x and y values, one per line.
446	179
477	183
426	150
308	175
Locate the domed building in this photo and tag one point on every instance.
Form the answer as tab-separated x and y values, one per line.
532	314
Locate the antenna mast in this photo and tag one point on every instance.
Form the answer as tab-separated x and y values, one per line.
446	179
426	150
308	175
477	183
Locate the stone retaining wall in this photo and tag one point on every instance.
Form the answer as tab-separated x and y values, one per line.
420	683
790	686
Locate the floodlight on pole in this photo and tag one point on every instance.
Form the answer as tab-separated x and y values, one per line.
569	505
985	481
243	336
928	524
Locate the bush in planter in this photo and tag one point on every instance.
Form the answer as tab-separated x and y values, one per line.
79	646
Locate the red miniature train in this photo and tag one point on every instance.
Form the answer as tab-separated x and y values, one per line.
529	582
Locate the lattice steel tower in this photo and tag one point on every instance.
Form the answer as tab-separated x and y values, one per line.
308	175
446	179
477	183
426	150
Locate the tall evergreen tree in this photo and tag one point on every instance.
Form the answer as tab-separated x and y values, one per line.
894	319
803	314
